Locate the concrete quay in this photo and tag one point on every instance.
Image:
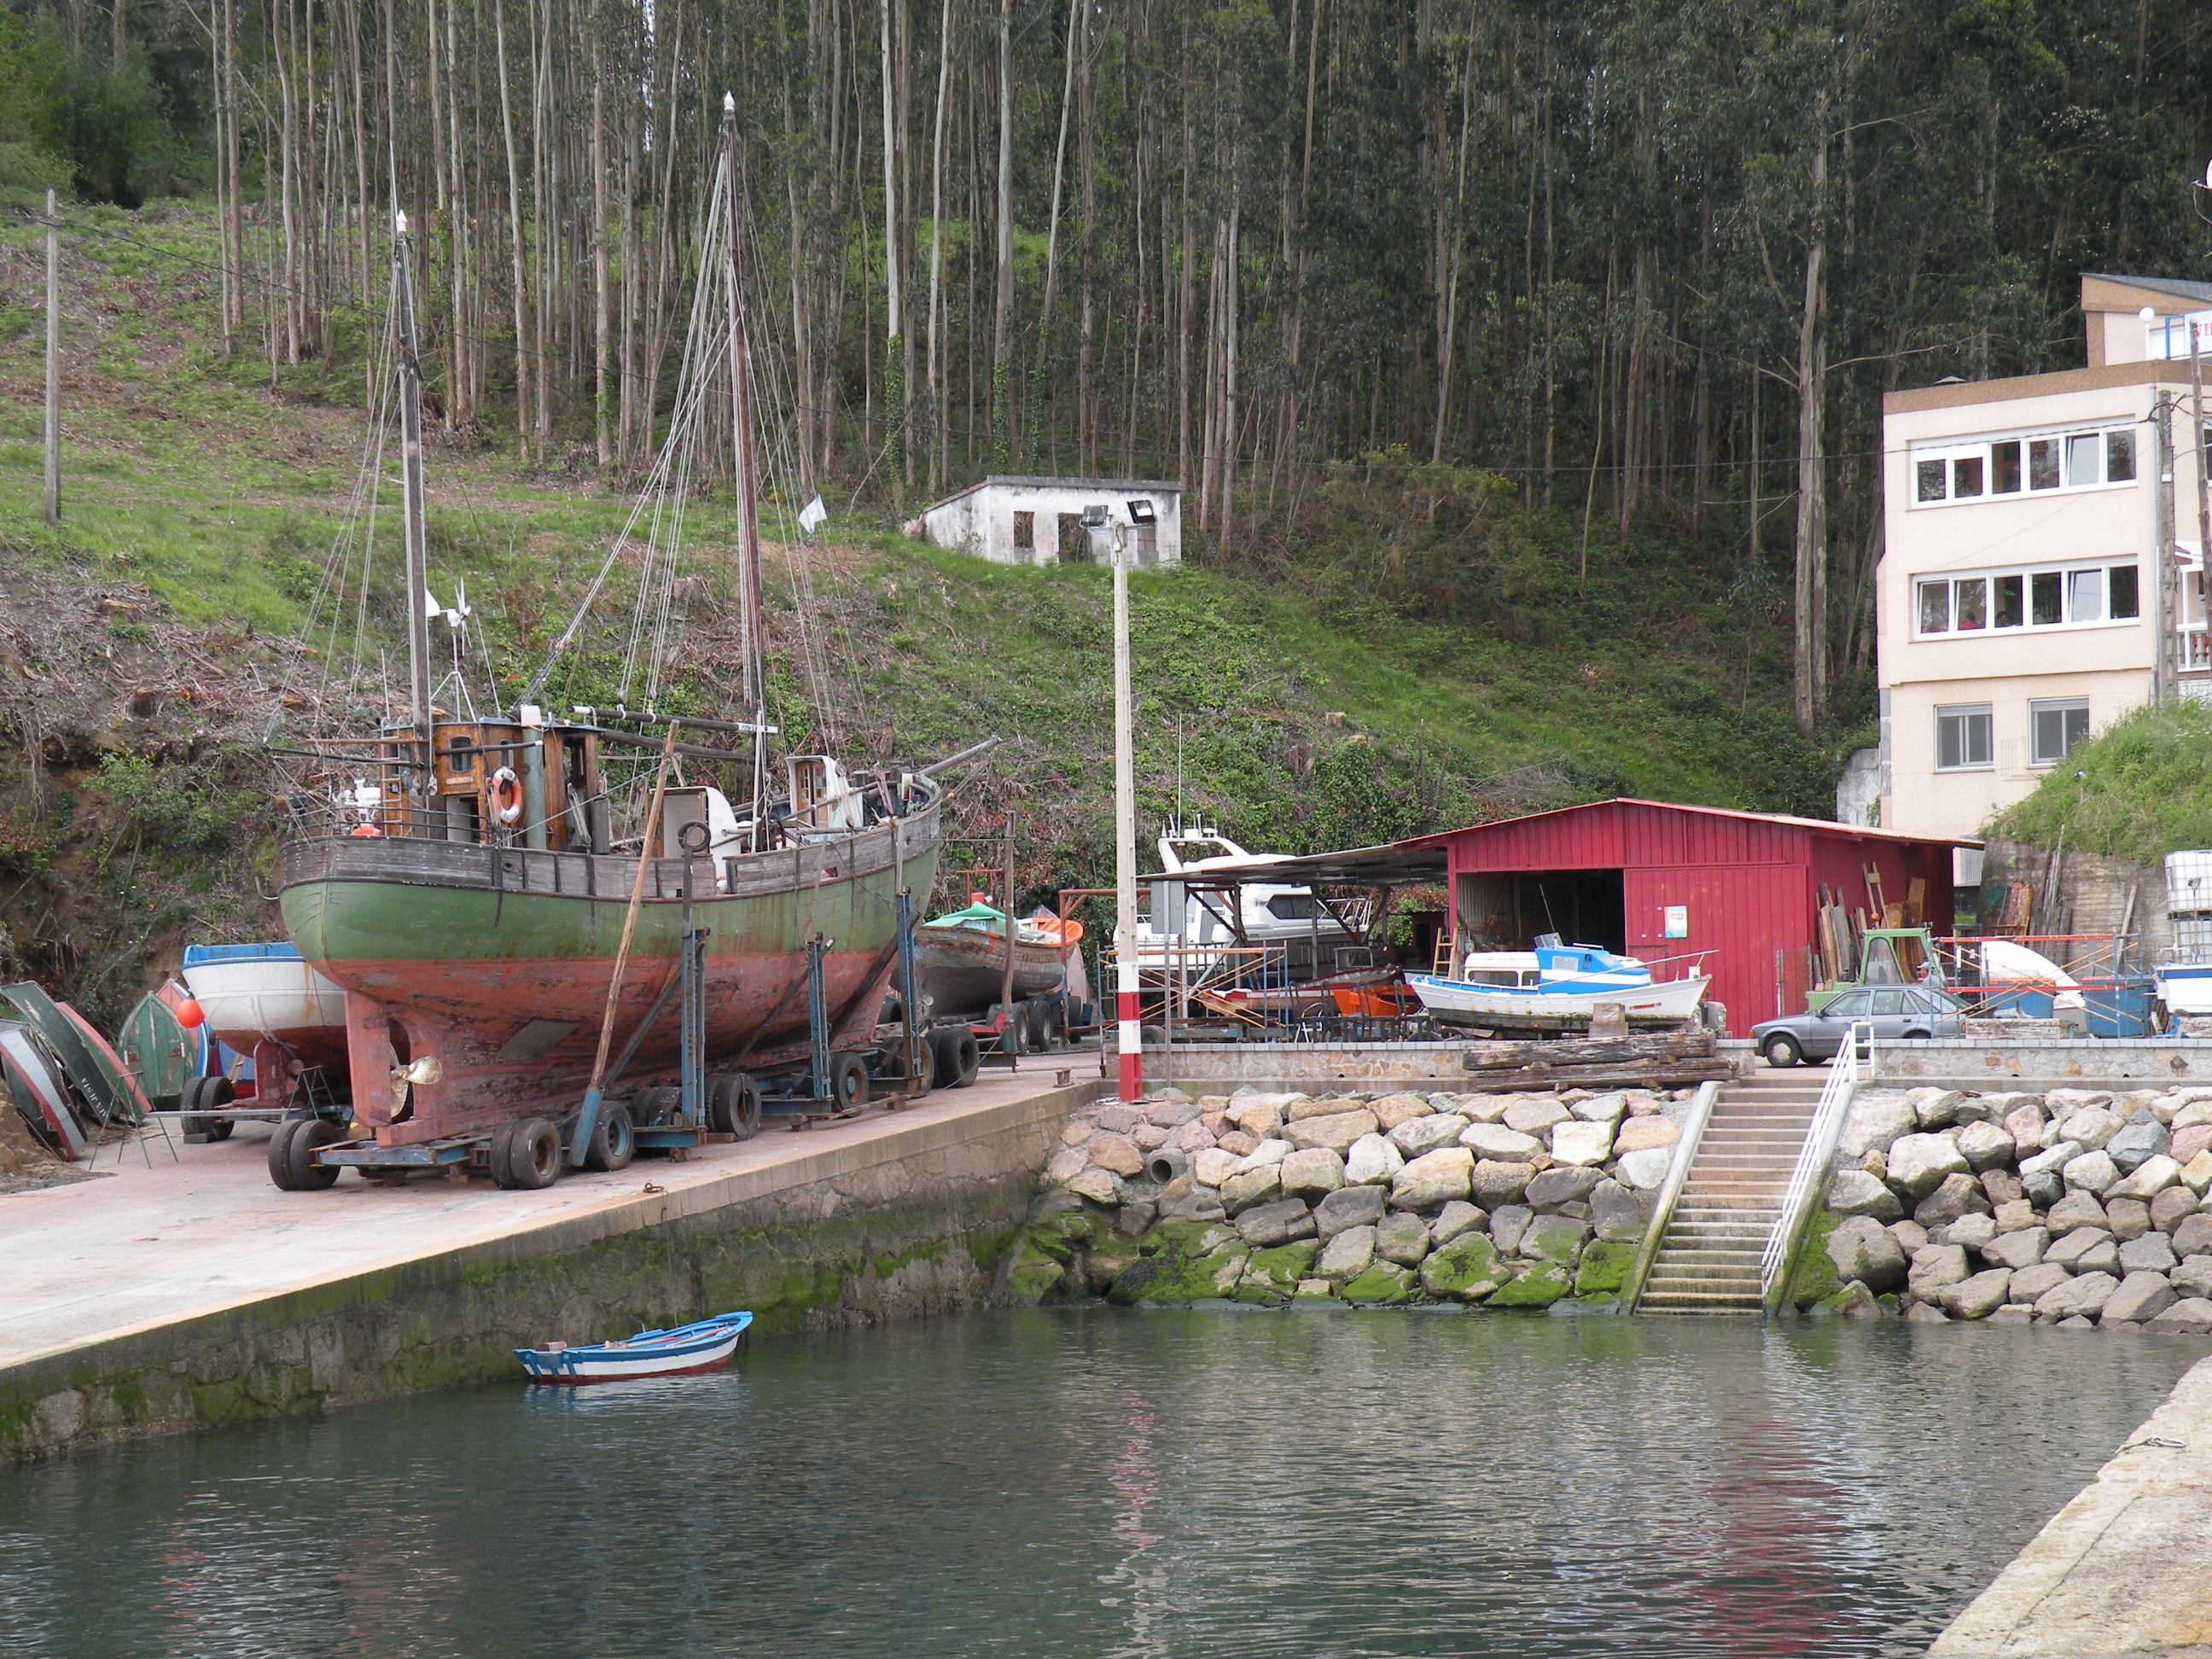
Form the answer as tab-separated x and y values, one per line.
183	1290
2120	1571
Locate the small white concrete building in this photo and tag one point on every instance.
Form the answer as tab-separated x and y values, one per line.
1017	520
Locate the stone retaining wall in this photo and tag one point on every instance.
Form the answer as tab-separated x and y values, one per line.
1370	1198
2059	1207
917	1221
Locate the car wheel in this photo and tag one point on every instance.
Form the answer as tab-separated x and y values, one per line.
1921	1037
1782	1050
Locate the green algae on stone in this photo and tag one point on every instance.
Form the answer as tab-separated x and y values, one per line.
1813	1277
1539	1287
1465	1270
1382	1285
1605	1268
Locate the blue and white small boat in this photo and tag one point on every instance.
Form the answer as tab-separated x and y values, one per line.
704	1345
1556	984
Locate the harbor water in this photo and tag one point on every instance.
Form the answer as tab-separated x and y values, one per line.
1106	1482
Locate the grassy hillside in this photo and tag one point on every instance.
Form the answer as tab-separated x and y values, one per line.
2142	789
1393	648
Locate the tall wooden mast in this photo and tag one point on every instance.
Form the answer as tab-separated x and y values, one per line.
418	556
741	422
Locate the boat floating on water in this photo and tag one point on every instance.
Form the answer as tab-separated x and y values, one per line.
706	1344
1558	985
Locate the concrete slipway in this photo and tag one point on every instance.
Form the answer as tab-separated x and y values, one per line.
186	1291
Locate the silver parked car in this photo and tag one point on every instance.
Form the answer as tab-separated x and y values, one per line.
1893	1011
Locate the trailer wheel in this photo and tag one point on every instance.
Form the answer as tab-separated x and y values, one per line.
848	1082
956	1055
280	1148
308	1136
525	1155
613	1141
734	1105
926	1054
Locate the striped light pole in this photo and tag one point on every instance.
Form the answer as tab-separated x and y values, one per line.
1132	1041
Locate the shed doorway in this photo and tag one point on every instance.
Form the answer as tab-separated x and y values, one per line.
1505	911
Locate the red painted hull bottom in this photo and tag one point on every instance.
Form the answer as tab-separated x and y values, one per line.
634	1376
517	1038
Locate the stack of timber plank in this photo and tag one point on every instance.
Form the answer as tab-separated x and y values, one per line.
1656	1059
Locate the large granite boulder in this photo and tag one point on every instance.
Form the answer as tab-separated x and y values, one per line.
1269	1224
1862	1251
1392	1111
2092	1172
1314	1172
1507	1223
1261	1186
2149	1253
1985	1146
2080	1297
1539	1287
1493	1182
2191	1317
1563	1184
2138	1296
1347	1255
1977	1297
1918	1163
1383	1285
2171	1207
2142	1137
1616	1214
2128	1218
1934	1267
2090	1127
1465	1270
2025	1124
2016	1251
1402	1237
1855	1192
2069	1248
1372	1159
1955	1195
1212	1166
2150	1176
2192	1236
1347	1208
1877	1118
1587	1145
1644	1134
1534	1114
1434	1179
1336	1131
1425	1134
1454	1219
1600	1109
2078	1210
1644	1170
2032	1283
1555	1238
1496	1141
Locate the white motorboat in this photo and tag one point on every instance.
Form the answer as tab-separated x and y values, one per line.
255	994
1557	984
1319	936
2185	988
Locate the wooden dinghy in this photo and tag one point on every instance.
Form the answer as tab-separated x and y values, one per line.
703	1346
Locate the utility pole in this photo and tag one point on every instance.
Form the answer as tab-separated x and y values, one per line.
2196	448
53	365
1131	1042
2162	673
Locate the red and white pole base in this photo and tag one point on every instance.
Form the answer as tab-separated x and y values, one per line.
1132	1045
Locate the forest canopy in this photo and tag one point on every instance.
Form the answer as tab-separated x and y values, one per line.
1636	258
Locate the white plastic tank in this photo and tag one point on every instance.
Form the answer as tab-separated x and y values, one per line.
2192	938
2189	884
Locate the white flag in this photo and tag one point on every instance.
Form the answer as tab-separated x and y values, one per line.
813	516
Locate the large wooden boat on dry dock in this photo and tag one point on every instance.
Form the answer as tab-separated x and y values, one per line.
500	914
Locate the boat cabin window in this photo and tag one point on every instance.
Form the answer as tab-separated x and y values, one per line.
1296	907
1505	977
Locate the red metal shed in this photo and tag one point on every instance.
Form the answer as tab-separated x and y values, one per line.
1656	881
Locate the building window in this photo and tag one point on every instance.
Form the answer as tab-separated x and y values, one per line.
2055	728
1962	738
1025	531
2027	599
1988	468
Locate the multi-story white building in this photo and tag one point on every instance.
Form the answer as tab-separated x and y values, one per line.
2040	577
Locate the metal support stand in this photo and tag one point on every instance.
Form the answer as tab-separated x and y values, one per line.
909	1031
818	1020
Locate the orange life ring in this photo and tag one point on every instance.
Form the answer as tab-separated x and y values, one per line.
365	829
506	797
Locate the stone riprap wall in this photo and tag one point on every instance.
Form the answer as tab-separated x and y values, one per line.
1369	1198
917	1220
2066	1206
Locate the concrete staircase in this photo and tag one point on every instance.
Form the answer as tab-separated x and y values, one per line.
1708	1262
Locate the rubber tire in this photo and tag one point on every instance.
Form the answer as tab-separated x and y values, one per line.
500	1138
526	1154
1036	1027
959	1057
307	1136
928	1050
188	1105
280	1151
1782	1050
734	1105
219	1128
849	1081
614	1138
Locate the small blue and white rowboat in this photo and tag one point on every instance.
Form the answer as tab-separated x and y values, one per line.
705	1345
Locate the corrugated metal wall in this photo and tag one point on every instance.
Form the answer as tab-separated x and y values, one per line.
1748	884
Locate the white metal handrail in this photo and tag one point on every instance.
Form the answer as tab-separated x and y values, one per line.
1844	1074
